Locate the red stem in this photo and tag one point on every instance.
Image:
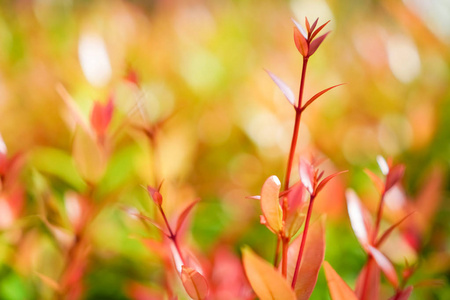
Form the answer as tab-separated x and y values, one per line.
302	245
285	241
277	252
172	235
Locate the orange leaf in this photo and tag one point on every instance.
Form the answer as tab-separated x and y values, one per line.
326	179
194	283
376	180
300	39
270	205
372	287
265	280
311	261
339	290
403	295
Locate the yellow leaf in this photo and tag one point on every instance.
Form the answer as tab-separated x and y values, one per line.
267	282
89	158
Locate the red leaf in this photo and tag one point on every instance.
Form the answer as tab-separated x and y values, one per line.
270	204
283	87
316	43
385	265
314	25
390	229
358	218
395	174
372	286
265	280
184	214
318	30
308	28
300	39
404	294
325	180
339	290
376	180
155	194
101	116
194	283
311	261
318	95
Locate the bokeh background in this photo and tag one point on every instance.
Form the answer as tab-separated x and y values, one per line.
200	65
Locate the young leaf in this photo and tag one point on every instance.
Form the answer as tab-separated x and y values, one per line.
155	194
395	174
368	284
300	29
300	39
316	43
390	229
306	171
339	290
265	280
318	95
325	180
318	30
376	180
283	87
101	116
308	28
384	167
270	205
53	284
89	158
313	26
404	294
194	283
385	266
357	218
311	261
184	214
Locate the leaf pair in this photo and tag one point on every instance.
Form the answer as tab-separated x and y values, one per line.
287	92
304	40
311	178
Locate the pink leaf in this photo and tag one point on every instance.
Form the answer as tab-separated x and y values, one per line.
339	290
357	218
306	171
101	116
155	194
404	294
316	43
270	205
283	87
265	280
313	26
395	174
310	101
311	261
194	283
385	265
184	214
325	180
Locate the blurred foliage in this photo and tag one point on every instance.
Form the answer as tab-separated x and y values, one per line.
201	65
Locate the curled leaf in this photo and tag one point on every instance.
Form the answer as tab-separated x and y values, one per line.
194	283
270	205
283	87
265	280
385	266
339	290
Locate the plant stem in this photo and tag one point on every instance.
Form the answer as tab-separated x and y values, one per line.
277	251
285	246
298	114
302	245
378	220
172	235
